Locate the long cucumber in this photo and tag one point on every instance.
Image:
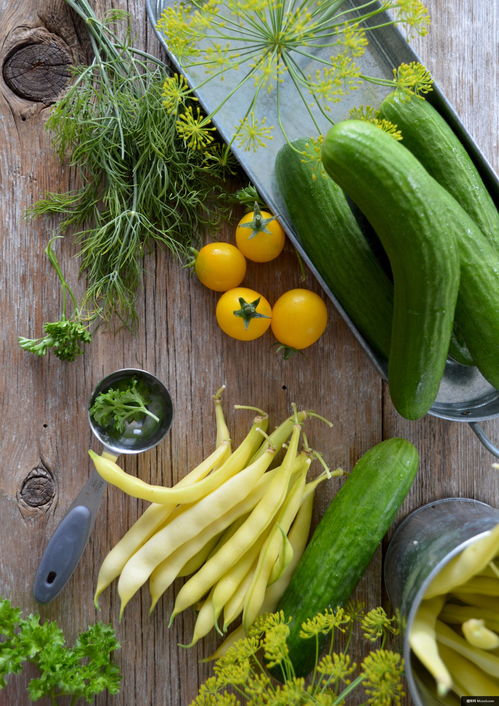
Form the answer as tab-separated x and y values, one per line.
416	227
431	139
346	539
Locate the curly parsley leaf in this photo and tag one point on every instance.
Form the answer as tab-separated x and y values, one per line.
127	402
81	671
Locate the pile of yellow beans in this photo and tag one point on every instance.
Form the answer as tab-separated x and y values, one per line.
455	633
236	525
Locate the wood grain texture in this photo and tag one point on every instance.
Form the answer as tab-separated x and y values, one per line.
45	431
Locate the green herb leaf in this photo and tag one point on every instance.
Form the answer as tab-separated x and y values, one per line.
81	671
127	402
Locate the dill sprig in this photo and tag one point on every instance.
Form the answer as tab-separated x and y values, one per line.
140	184
67	335
245	673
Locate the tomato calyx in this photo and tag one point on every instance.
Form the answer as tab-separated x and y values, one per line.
258	224
249	311
286	351
191	263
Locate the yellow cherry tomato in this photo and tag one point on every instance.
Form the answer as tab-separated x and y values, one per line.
259	236
220	266
299	318
243	313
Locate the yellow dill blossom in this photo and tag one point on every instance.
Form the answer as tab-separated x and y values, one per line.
414	15
289	694
310	46
413	77
244	669
336	667
194	128
268	71
353	39
175	93
376	624
253	133
382	672
323	623
335	81
275	647
179	31
218	58
370	115
257	687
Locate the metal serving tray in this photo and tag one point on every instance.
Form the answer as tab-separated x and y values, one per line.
464	394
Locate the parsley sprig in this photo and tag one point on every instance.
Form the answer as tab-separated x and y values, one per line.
79	672
117	406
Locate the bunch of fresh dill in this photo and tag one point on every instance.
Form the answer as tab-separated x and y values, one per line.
140	183
244	673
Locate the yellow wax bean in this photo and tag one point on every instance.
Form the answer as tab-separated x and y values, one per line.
298	538
198	559
202	581
223	433
282	563
169	569
231	581
486	661
281	433
138	488
462	567
205	621
475	599
423	642
147	524
457	614
270	552
478	635
468	676
484	585
190	523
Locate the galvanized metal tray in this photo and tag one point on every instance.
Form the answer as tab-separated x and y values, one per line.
464	394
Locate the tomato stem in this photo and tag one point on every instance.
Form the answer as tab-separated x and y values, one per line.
248	311
258	224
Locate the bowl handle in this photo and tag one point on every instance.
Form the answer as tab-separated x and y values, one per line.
477	428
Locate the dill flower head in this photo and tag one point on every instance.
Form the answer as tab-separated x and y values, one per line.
323	623
382	672
311	47
371	115
194	128
376	624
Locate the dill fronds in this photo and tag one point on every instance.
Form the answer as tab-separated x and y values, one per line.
141	184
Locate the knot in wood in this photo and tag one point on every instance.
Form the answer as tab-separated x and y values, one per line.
38	487
37	71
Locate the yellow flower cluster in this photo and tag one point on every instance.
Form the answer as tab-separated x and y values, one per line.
272	42
242	676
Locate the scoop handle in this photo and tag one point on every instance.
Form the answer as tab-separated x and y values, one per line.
65	547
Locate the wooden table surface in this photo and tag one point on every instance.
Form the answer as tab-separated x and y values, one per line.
45	435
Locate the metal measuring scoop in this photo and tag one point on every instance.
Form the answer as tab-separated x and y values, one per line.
66	545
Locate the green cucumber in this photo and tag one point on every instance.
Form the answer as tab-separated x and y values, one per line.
346	539
416	228
477	307
431	139
330	234
332	238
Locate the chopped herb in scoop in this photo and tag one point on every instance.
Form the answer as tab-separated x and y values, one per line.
126	402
